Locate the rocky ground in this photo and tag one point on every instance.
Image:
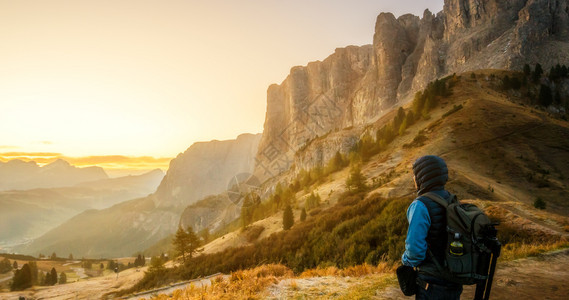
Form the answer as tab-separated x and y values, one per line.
541	277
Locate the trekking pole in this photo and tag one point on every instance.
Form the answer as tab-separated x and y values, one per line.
496	249
481	285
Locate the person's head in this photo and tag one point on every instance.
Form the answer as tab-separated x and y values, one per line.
430	173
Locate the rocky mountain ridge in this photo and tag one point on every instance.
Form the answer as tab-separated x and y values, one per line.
205	168
20	175
357	85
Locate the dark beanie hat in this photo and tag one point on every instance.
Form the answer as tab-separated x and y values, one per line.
431	173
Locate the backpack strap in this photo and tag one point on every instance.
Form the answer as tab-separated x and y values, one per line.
440	200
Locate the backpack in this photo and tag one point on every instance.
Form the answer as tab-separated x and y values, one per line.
466	255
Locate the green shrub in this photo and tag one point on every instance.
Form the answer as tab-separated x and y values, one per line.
454	109
252	232
356	180
539	203
312	201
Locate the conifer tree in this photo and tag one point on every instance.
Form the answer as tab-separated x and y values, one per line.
427	107
527	69
22	279
34	272
303	215
336	163
536	75
506	83
53	276
356	180
62	278
403	127
5	266
288	217
47	279
399	118
410	118
138	261
186	242
156	264
250	203
418	103
195	241
552	74
181	241
545	96
312	201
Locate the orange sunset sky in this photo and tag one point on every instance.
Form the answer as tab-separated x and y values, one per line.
130	84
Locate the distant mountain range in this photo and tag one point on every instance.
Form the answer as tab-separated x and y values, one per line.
27	214
21	175
205	168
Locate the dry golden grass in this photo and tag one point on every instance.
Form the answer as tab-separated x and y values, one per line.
250	284
367	289
521	250
293	285
353	271
244	284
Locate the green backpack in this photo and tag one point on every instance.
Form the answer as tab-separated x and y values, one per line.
467	254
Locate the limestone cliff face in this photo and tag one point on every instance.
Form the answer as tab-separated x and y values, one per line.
206	168
356	85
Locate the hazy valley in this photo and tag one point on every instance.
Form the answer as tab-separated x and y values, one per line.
28	214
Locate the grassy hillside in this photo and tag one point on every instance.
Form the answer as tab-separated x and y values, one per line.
503	153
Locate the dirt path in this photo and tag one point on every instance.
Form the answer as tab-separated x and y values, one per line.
542	277
198	283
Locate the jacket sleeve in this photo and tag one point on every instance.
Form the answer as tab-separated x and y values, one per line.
416	241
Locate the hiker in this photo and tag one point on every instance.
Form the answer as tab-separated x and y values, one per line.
427	236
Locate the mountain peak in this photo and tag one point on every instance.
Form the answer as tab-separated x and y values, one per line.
59	163
19	162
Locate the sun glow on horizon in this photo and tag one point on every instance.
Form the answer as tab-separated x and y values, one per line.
147	78
114	165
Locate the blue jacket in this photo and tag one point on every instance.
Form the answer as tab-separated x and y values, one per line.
419	224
